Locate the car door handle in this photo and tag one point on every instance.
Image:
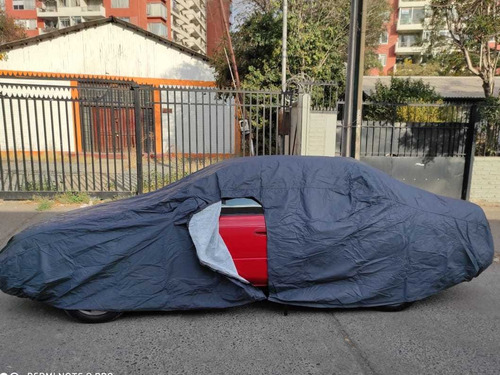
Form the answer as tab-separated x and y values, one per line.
261	232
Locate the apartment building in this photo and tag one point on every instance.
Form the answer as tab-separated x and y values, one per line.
405	34
182	21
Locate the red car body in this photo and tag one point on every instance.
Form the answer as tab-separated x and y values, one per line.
243	230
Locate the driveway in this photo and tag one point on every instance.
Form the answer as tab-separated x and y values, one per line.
454	332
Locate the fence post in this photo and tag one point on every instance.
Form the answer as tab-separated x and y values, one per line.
138	136
470	147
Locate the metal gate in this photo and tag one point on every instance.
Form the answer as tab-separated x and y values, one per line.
430	146
109	138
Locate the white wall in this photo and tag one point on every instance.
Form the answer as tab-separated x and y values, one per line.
485	184
193	127
108	49
45	123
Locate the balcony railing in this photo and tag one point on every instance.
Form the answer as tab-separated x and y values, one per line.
413	3
85	11
408	48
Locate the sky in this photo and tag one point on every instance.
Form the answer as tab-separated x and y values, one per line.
239	9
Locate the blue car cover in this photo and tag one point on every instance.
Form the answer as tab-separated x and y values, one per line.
340	234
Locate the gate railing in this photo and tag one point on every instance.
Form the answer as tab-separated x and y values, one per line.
120	138
398	130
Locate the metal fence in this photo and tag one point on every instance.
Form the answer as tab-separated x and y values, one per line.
428	130
488	130
110	138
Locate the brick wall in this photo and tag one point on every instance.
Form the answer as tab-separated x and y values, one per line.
486	180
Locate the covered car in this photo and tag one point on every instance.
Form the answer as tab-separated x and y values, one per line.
339	234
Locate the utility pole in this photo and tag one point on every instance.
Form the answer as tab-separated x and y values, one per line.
230	45
284	46
354	79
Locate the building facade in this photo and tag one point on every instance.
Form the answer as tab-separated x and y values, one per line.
405	35
183	21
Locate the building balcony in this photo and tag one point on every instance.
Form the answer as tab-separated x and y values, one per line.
194	31
408	49
45	30
413	3
91	11
180	33
417	26
198	5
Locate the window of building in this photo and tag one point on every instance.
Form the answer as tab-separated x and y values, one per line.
70	3
77	20
382	59
156	10
23	4
384	37
126	19
120	3
408	40
28	24
64	22
411	16
50	24
158	28
2	5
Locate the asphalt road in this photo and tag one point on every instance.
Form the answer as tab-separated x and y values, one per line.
454	332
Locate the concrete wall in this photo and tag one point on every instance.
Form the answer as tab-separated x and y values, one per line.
486	180
108	49
320	134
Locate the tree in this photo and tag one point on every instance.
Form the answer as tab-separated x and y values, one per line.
9	31
317	42
474	31
387	100
446	64
403	91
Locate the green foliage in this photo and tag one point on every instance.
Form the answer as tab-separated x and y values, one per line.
157	180
317	42
421	112
9	31
405	100
474	32
443	64
404	91
44	204
73	198
488	142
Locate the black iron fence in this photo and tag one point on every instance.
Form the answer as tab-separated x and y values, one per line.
111	138
488	130
121	138
424	129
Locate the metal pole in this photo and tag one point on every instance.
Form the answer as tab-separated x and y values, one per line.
138	136
284	45
284	40
356	152
230	45
352	77
470	149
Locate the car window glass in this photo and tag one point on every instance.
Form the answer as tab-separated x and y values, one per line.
240	202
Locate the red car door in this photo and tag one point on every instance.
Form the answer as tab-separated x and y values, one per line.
243	228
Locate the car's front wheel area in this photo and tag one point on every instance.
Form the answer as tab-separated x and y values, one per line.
93	316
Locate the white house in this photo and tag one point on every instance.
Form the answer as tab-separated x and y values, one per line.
106	47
